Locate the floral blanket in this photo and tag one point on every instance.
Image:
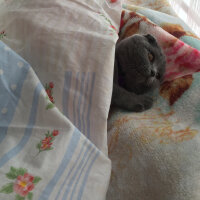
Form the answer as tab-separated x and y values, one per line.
155	154
55	59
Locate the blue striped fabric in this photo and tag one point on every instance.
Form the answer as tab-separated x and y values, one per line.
90	105
66	91
73	178
80	174
65	161
53	110
80	193
28	131
70	171
75	99
13	72
75	158
82	101
85	103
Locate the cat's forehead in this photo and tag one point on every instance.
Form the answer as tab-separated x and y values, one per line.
140	45
136	42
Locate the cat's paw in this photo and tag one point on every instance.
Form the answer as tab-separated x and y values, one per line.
143	104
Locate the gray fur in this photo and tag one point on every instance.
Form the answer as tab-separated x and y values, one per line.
140	75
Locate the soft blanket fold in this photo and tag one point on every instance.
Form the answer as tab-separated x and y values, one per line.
155	154
53	102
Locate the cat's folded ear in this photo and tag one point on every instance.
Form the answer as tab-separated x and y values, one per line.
150	39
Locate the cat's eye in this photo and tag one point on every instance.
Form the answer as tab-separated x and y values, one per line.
158	76
151	57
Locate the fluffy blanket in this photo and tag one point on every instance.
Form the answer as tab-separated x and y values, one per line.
155	154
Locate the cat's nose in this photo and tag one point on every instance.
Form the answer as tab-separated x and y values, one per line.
153	73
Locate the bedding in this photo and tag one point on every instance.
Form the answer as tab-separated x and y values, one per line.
56	66
155	154
56	73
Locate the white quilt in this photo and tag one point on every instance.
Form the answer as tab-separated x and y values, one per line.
55	97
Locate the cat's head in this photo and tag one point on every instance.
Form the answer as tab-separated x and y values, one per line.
141	62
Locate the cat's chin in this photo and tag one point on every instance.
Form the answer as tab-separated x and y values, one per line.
142	89
137	90
151	80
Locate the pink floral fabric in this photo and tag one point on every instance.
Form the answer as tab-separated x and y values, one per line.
182	59
24	184
46	143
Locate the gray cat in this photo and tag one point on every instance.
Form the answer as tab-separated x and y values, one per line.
139	68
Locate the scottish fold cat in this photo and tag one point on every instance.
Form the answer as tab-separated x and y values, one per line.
139	68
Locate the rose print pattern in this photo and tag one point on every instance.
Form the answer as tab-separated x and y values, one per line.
23	184
2	34
46	143
49	90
